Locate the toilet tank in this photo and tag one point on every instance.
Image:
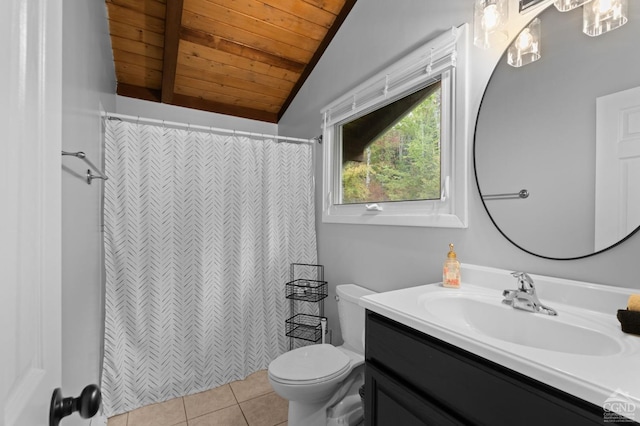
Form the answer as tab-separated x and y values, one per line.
351	315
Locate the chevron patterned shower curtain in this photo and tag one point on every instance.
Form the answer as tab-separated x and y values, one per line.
200	230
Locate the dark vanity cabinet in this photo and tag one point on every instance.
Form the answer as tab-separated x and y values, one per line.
414	379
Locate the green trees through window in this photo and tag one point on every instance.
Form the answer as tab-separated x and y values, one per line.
402	162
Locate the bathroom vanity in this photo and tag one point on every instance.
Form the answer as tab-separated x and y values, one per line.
445	356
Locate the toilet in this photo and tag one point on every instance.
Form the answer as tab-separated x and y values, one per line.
322	381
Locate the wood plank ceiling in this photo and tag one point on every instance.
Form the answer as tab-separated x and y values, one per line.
246	58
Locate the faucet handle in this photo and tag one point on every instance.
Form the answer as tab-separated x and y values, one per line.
525	282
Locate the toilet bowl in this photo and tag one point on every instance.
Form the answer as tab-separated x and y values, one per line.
322	381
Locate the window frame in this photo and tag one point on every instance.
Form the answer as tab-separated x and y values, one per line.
451	210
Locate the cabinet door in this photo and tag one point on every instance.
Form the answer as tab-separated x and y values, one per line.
387	403
465	385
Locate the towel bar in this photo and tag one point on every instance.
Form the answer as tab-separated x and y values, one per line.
522	194
90	176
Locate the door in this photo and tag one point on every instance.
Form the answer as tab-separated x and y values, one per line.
388	402
617	166
30	133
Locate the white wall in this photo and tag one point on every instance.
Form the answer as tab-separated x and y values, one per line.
88	82
384	258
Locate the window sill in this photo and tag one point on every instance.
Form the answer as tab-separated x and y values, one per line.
436	220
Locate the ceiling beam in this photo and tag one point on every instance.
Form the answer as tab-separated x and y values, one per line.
220	108
348	5
173	21
131	91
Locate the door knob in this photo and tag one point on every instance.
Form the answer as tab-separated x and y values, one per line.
87	404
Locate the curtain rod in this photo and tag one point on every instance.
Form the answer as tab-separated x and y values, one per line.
109	115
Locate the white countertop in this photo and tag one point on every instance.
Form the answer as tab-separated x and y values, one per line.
594	378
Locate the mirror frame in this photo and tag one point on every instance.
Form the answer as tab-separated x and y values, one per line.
619	242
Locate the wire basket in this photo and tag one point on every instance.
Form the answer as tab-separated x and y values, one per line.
306	290
305	327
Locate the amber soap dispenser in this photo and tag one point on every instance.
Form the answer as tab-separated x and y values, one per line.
451	270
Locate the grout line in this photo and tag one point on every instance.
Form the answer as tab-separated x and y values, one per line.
257	396
238	404
184	409
233	393
243	415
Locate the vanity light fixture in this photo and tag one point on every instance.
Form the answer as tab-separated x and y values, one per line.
567	5
526	47
490	22
526	4
601	16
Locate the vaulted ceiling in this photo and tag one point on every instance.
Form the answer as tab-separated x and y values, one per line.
246	58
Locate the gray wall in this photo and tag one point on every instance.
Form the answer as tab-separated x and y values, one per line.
88	83
376	33
157	111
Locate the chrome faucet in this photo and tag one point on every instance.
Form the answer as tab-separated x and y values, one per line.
525	296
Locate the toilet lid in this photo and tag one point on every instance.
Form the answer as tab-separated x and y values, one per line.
309	363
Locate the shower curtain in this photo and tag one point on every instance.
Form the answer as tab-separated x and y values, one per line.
200	230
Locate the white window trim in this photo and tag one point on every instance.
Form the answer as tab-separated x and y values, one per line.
445	55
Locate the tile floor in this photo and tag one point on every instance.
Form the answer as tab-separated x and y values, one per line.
249	402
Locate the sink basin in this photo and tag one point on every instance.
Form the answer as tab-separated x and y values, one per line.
488	316
581	351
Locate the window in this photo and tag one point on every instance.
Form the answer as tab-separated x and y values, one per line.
393	153
395	148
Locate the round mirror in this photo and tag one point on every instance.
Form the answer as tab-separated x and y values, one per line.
566	129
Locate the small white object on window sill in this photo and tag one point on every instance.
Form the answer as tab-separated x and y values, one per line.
445	189
373	207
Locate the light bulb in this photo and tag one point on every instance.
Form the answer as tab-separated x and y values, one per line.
603	16
525	39
490	17
604	6
526	47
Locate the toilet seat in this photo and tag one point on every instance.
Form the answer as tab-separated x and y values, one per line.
309	364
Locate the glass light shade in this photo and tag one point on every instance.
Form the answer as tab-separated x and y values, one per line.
567	5
526	47
490	22
601	16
